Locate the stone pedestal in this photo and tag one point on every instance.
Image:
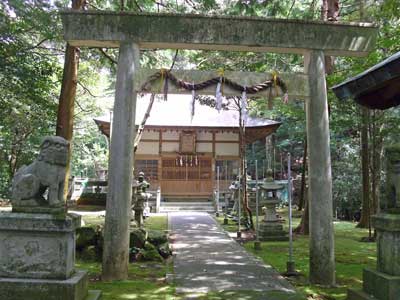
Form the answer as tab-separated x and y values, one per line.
383	283
37	258
270	228
272	231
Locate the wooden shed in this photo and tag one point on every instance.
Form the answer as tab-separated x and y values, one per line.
181	154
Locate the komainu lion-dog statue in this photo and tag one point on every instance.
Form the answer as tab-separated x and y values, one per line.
39	187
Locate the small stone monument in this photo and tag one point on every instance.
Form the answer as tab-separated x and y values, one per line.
37	239
140	197
383	283
270	228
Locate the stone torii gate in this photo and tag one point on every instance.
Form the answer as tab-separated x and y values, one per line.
132	32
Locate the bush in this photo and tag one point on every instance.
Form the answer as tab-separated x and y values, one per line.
89	254
85	237
157	237
164	250
137	238
149	253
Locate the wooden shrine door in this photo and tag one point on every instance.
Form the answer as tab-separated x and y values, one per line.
186	176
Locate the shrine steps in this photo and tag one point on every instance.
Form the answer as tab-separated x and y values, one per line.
173	206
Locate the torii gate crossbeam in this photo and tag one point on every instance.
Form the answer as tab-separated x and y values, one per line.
130	32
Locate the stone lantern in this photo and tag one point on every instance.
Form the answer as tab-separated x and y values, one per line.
383	282
270	228
139	198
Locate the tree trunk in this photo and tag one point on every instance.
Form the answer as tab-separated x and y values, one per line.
304	226
141	127
365	214
329	12
65	114
242	155
303	177
376	156
273	155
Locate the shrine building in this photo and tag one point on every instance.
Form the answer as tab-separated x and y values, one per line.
181	154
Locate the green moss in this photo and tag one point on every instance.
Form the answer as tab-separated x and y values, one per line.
157	237
89	254
147	279
395	211
85	236
151	223
149	253
156	223
351	257
137	238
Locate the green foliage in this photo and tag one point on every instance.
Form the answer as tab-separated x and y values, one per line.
28	83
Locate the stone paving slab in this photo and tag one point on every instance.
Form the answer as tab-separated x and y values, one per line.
207	259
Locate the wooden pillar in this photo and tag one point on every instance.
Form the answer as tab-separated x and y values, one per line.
322	261
116	229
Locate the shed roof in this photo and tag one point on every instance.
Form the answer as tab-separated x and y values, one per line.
377	88
175	113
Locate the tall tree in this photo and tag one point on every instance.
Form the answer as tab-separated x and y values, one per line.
329	12
28	78
65	114
365	214
365	220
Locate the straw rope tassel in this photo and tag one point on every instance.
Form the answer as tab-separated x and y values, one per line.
285	98
218	92
243	106
192	105
218	96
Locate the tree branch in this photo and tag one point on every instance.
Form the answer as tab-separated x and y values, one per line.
174	60
290	10
138	6
91	5
37	45
87	90
112	60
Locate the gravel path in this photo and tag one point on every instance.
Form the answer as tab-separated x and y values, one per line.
207	259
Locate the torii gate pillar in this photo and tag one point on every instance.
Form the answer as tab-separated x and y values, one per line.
116	245
322	258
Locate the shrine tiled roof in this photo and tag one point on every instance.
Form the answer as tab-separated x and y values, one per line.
176	112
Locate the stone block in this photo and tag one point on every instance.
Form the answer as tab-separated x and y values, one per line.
272	231
93	295
353	294
380	285
74	288
37	246
107	29
388	243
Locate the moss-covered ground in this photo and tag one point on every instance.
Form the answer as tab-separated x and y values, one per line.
351	254
148	280
159	222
